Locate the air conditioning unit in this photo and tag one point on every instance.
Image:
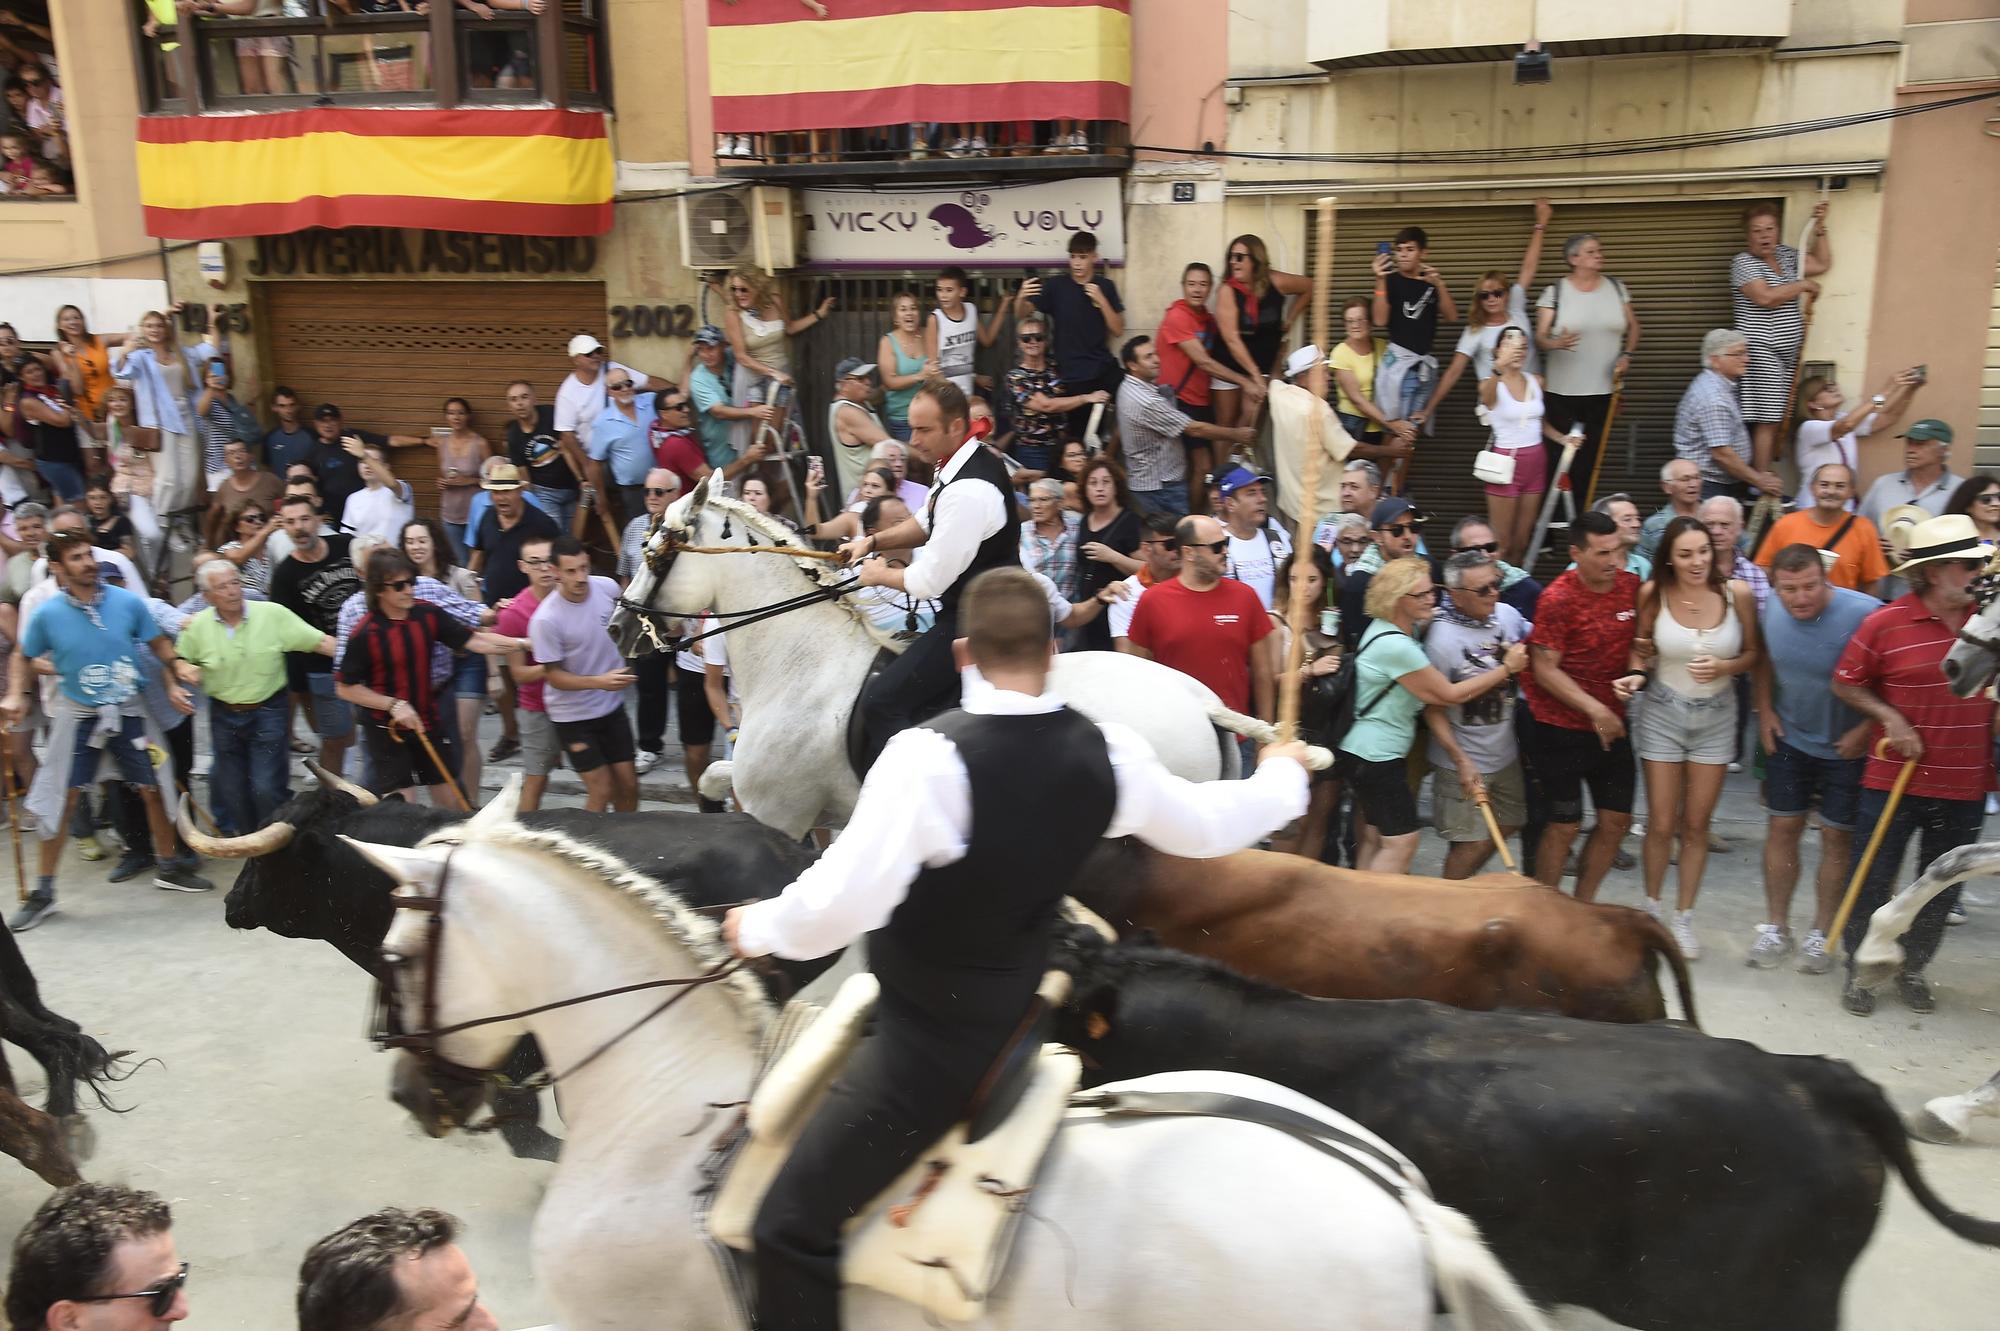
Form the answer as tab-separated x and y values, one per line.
727	227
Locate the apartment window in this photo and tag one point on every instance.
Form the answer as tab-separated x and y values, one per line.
35	164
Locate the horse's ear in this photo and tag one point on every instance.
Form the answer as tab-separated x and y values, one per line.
700	491
418	867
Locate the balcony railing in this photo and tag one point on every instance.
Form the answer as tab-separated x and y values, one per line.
1069	146
446	57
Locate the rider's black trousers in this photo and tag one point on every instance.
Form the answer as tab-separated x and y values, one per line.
917	685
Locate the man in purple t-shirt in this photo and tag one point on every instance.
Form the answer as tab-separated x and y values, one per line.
586	679
540	754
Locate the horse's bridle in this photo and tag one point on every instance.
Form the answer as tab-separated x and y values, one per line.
387	1030
664	545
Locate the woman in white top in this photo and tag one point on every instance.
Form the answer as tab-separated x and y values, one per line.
166	378
756	321
1696	628
1498	302
1828	434
1513	402
1587	330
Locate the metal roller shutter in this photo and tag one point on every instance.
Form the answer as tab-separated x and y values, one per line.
1674	259
390	353
1986	453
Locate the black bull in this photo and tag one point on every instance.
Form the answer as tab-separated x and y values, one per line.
1665	1178
317	886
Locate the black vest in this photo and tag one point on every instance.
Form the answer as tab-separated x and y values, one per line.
971	940
1000	550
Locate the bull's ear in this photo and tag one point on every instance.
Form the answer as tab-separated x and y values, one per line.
407	866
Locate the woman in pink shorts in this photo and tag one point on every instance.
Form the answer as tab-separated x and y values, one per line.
1512	399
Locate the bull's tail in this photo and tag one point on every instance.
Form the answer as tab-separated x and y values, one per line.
1471	1280
1236	723
1662	941
1871	1111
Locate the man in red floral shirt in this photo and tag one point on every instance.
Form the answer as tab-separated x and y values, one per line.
1891	672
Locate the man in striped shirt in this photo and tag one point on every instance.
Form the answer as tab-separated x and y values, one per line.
1891	672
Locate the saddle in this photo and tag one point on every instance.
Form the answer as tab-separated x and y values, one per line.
940	1236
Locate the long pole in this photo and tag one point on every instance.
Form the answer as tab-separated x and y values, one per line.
1300	600
1604	440
1493	829
1867	860
13	828
1805	331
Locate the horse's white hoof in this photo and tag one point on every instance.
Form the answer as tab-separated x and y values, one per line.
716	781
1318	759
1945	1120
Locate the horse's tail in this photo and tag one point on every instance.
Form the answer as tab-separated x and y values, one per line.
1236	723
1470	1279
717	781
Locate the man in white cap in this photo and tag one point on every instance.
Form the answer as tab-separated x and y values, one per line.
851	424
1891	672
582	397
1157	437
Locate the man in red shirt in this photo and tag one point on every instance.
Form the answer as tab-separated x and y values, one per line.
1576	695
672	437
1208	626
1892	673
1187	338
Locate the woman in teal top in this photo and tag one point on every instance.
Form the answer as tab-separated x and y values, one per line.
900	362
1393	682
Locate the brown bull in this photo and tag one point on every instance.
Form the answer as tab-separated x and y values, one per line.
1495	941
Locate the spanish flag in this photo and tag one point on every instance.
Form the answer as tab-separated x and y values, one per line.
773	67
528	172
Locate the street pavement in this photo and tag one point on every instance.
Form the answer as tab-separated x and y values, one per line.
261	1111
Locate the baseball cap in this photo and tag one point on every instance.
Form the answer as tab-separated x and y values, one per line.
708	335
1302	360
110	571
583	344
1388	510
852	367
502	476
326	411
1929	428
1236	478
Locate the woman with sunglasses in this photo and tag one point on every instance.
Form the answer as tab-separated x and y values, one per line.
756	321
1978	498
1499	302
83	361
426	545
1037	399
1587	331
254	527
1514	407
1828	428
1251	317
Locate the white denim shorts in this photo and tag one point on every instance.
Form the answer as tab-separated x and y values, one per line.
1669	727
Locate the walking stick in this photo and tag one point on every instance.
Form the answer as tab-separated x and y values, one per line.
1805	331
1604	443
1299	600
13	828
1493	829
430	751
1874	842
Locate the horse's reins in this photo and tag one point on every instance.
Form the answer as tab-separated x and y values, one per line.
424	1043
649	615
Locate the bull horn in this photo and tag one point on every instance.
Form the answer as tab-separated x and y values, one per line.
333	781
270	837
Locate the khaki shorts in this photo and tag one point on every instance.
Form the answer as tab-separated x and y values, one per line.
540	754
1459	819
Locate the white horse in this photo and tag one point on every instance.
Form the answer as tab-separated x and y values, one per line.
1974	659
1151	1225
1948	1118
1880	955
799	673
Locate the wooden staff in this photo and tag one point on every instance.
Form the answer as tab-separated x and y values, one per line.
1290	682
1839	924
1493	828
1604	441
430	751
13	828
581	522
1805	331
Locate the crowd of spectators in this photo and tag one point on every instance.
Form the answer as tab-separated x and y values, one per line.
34	133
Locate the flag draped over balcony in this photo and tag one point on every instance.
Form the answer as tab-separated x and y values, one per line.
773	65
528	172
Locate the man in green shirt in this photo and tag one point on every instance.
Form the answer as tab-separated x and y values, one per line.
237	649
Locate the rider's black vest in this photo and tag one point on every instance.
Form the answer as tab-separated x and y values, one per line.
970	941
1000	550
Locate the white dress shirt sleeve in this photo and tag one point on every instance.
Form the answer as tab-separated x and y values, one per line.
1198	820
914	813
968	512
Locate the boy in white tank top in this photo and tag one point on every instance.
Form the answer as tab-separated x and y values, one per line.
953	333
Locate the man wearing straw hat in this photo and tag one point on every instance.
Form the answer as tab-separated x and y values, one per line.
1891	672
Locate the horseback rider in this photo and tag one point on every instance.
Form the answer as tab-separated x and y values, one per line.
958	902
966	528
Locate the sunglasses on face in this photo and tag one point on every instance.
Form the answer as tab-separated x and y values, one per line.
401	584
1490	548
1398	529
658	490
1993	498
1034	337
739	291
1213	547
162	1294
619	387
1239	257
537	563
1491	295
1490	589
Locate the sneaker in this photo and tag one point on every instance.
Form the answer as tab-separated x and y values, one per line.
1814	956
1717	845
503	748
305	746
89	848
1957	915
958	148
1654	907
977	147
1683	930
1770	946
1857	1000
1916	994
134	864
181	877
1623	861
1992	805
645	761
1735	768
32	912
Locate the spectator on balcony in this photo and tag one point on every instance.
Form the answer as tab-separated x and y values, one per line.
263	64
83	360
1191	365
1037	400
758	324
1084	312
903	361
166	378
1499	302
1251	317
1585	325
954	332
1767	280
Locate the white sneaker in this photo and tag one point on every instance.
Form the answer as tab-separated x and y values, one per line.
1683	928
1078	143
1770	947
645	761
958	148
1814	957
977	146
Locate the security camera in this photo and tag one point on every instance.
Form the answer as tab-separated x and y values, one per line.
1531	64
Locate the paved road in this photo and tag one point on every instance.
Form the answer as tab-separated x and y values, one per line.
266	1124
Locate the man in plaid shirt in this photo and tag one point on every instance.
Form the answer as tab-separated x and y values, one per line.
1151	431
1708	425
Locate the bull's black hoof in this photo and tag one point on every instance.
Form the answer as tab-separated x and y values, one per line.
1857	1000
532	1143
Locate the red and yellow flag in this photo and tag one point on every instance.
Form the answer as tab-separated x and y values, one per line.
773	66
528	172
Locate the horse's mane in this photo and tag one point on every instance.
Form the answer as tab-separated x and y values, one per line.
770	531
699	934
